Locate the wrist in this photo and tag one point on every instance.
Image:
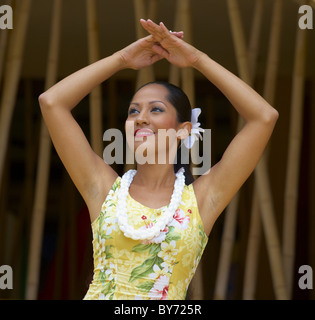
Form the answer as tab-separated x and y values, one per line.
199	63
120	60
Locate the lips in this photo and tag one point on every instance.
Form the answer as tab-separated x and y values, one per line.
143	133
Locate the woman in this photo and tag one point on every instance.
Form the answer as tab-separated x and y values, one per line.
150	232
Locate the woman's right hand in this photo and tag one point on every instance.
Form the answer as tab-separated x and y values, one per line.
139	54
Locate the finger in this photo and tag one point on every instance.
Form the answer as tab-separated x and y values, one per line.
159	31
143	23
146	25
164	29
179	34
165	32
153	28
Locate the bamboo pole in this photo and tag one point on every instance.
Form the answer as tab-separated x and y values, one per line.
253	48
269	94
11	78
145	74
187	73
43	165
96	94
262	181
270	229
183	77
228	236
226	249
174	74
261	175
293	164
273	53
239	40
252	251
21	230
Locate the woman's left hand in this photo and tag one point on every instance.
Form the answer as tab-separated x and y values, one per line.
171	47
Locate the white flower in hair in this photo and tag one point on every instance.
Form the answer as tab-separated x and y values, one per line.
195	133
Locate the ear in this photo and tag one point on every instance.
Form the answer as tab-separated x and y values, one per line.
184	130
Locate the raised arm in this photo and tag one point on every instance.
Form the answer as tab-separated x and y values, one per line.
240	158
216	189
91	175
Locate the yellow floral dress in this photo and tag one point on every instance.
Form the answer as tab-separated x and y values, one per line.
159	269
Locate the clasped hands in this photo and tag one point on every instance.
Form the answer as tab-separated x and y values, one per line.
160	44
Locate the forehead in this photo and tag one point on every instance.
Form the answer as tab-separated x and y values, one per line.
151	92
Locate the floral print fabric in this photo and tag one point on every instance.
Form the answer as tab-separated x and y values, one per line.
159	269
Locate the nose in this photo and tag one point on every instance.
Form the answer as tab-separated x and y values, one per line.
143	118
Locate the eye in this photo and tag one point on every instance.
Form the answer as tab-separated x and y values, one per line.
157	109
132	110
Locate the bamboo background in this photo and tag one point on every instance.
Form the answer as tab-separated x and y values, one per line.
267	232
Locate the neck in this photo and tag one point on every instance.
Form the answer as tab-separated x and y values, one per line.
155	176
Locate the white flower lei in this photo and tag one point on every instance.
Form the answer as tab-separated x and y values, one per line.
163	221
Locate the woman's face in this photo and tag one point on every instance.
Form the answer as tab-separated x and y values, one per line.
151	117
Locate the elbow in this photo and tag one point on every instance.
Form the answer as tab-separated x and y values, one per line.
274	116
271	116
45	101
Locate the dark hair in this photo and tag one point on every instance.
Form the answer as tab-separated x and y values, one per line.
179	100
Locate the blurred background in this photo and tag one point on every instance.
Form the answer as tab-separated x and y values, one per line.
258	244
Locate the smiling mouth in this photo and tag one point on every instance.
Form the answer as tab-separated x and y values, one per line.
143	133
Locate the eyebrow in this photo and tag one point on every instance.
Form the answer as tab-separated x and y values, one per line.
151	102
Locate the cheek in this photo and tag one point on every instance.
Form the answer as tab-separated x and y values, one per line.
168	140
168	123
